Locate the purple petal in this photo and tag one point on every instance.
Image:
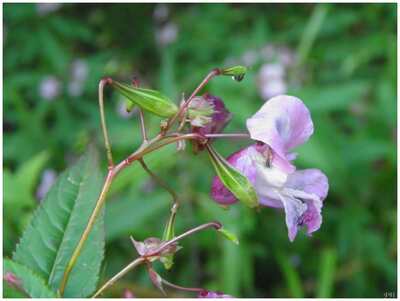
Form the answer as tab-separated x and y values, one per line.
310	181
242	161
211	294
311	218
283	122
294	209
219	119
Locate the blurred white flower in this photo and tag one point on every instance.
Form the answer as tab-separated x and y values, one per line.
48	178
286	56
271	71
161	12
46	8
271	80
49	88
273	88
167	34
79	73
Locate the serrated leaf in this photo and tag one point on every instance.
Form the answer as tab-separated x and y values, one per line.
30	282
233	180
57	225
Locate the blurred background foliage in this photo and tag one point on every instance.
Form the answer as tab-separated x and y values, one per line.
340	59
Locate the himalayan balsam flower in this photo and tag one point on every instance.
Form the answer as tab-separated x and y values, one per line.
49	88
281	124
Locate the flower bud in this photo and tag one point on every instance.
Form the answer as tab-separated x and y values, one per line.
237	72
233	180
149	100
156	279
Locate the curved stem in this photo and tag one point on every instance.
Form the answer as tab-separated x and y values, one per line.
215	225
228	135
159	180
120	274
142	126
152	146
107	143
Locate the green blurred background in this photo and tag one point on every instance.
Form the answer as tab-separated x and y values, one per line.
340	59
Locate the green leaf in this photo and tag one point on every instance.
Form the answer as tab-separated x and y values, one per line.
327	273
57	225
292	277
30	282
233	180
149	100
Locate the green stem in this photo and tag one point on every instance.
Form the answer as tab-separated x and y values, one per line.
120	274
159	180
163	246
107	143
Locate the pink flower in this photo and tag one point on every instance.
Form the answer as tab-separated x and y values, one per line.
210	294
281	124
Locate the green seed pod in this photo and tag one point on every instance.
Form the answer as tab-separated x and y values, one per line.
149	100
233	180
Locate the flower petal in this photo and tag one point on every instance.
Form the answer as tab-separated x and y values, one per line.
313	184
219	119
283	122
294	209
243	162
310	181
211	294
312	217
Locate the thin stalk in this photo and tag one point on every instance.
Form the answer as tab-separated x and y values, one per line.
182	288
89	226
158	180
229	135
107	143
215	225
120	274
142	126
154	146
